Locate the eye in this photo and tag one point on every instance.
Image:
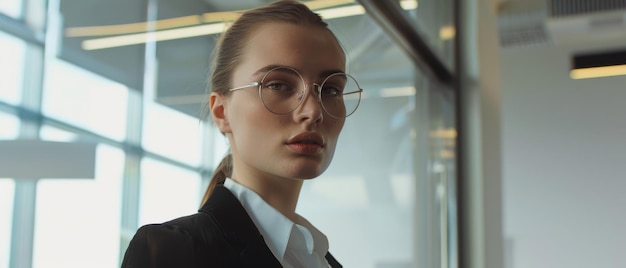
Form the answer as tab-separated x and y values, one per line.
279	87
331	90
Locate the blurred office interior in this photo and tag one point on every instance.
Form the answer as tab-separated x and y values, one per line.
490	133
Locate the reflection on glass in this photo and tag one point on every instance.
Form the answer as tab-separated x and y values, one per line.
440	218
364	201
7	190
78	220
435	22
85	99
172	133
167	192
11	66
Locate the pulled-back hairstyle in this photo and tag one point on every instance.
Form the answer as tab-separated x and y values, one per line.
228	54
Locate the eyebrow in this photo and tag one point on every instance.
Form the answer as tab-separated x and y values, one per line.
267	68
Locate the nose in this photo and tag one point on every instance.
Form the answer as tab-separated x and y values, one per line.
311	107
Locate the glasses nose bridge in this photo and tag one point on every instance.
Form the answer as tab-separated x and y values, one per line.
317	90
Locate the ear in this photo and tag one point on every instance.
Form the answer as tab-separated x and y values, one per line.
217	105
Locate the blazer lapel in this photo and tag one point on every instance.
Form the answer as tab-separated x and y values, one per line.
239	230
332	261
241	233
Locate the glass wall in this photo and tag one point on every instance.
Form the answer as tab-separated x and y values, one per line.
436	177
7	192
434	19
385	201
12	52
8	131
11	8
102	103
82	215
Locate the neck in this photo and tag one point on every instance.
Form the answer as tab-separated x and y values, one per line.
280	193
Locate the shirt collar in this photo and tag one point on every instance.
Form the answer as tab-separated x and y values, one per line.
275	227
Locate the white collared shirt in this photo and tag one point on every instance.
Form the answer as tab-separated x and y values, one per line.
293	244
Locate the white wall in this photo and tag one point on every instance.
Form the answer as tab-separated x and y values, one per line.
564	163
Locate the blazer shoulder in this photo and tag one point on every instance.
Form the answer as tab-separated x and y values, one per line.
221	234
183	242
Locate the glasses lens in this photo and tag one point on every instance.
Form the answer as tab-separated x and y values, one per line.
340	95
281	90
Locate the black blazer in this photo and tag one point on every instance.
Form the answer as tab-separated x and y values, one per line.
221	234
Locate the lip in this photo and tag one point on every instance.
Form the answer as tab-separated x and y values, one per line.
306	143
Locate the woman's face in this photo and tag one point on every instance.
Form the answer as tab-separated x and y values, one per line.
297	145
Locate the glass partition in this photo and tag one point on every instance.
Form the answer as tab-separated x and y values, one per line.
434	20
433	144
391	182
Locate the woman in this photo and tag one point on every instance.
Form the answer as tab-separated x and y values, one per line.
280	96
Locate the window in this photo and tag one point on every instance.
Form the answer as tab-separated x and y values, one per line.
10	126
84	99
167	192
172	133
11	8
12	66
7	190
435	21
8	131
78	220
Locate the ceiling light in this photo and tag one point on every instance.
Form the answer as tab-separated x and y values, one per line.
341	12
398	92
191	26
139	38
209	17
409	4
598	65
133	27
447	32
319	4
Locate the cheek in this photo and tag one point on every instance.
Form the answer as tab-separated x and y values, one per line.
335	126
252	124
333	129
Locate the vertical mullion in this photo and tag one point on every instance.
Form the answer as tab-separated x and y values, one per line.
134	131
24	205
22	232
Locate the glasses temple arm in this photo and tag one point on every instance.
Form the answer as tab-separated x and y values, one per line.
253	84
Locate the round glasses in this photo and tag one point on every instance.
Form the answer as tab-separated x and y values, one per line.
282	90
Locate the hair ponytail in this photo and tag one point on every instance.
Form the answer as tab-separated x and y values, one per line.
224	170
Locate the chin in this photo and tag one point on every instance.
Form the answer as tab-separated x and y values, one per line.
306	169
308	172
305	175
306	178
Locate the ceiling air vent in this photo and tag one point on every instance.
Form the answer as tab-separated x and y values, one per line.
520	30
559	8
574	22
